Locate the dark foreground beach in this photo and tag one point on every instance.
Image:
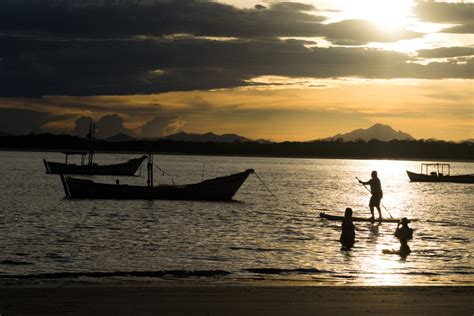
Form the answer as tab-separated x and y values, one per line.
236	300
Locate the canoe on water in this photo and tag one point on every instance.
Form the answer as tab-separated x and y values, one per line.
360	219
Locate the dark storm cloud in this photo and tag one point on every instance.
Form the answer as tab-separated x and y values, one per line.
446	52
22	121
34	67
160	18
200	18
444	12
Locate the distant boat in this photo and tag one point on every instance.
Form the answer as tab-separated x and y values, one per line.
216	189
438	172
359	219
128	168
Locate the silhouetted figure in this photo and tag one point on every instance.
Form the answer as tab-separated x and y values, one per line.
377	194
348	231
404	234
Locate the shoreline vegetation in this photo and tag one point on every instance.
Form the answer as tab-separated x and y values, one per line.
236	300
374	149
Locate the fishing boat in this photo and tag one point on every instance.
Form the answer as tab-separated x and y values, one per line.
360	219
128	168
438	172
89	167
216	189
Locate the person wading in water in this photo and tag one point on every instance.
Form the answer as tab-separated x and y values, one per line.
377	194
347	238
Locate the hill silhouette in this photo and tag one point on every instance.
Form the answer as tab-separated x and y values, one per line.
377	131
374	149
207	137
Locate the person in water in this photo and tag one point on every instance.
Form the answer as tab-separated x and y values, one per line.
377	194
404	234
348	230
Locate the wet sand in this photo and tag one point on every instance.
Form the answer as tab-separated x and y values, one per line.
236	300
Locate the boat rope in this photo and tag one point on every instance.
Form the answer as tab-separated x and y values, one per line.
264	184
164	173
371	193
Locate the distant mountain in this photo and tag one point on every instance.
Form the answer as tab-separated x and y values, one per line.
120	137
378	131
208	137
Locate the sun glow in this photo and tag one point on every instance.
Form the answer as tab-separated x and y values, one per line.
389	14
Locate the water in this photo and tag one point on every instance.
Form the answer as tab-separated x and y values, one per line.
254	239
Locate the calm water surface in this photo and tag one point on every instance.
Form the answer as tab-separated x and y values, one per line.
257	237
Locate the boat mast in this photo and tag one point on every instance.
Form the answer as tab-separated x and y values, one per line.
91	138
150	170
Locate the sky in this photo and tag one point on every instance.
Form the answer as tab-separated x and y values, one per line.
295	70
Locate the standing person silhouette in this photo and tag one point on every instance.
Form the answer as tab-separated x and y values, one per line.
377	194
348	231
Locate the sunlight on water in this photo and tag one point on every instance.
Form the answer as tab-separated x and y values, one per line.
255	238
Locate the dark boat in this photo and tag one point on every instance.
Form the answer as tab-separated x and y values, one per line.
128	168
216	189
359	219
435	172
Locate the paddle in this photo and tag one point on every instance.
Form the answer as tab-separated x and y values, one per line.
371	192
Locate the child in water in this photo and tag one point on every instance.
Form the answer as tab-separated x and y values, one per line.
404	234
348	230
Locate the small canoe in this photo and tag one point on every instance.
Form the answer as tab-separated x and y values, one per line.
359	219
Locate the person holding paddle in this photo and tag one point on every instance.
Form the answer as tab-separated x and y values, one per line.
377	194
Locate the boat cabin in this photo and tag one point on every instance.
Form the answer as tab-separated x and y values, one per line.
436	169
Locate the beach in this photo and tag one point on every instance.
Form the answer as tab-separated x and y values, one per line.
236	300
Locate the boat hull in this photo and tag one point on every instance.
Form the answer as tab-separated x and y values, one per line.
418	177
358	219
128	168
217	189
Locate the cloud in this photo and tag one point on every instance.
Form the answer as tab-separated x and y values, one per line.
23	121
206	18
199	18
359	32
446	52
161	126
467	28
81	126
110	125
125	67
444	12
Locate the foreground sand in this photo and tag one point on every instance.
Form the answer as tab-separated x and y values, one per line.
236	300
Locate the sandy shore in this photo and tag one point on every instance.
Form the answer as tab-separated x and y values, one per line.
236	300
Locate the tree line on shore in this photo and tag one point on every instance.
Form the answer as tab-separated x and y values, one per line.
374	149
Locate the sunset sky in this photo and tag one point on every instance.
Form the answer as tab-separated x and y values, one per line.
298	70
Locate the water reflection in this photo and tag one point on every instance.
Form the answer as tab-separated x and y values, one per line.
257	233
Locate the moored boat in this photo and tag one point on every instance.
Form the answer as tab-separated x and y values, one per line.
360	219
216	189
438	172
128	168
